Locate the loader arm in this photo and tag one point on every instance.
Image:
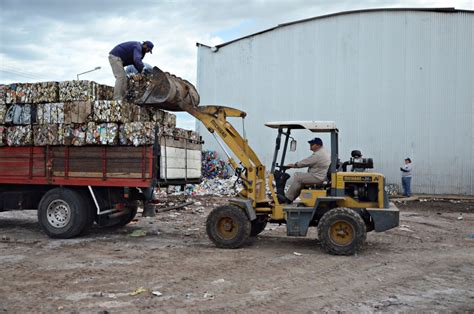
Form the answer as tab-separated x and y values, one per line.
169	92
214	119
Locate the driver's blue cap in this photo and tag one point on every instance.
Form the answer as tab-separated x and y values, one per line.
316	140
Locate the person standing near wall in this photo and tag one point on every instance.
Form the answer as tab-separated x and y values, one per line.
406	177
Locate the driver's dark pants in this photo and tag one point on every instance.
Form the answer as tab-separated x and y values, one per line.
299	180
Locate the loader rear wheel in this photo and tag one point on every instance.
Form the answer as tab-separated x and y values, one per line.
342	231
228	227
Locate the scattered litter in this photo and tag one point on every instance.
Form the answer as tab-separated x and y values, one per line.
392	189
157	293
198	203
218	281
297	254
460	217
138	291
215	186
138	233
455	202
208	296
199	210
405	228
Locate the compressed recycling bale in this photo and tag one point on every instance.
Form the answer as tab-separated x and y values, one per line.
20	114
138	114
3	112
50	113
194	136
137	85
105	92
10	93
137	133
77	111
2	135
19	135
166	130
156	115
92	133
181	133
3	100
111	111
23	93
43	92
75	134
77	90
169	119
48	134
108	133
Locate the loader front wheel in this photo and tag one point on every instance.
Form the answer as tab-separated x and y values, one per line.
342	231
228	227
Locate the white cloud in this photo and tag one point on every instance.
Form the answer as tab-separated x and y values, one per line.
56	39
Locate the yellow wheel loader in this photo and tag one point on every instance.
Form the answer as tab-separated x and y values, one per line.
343	209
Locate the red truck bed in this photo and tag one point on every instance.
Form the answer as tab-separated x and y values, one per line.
73	165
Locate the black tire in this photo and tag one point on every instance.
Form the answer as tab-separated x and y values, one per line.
258	225
64	213
342	231
228	227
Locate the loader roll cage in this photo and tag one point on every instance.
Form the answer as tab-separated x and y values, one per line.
284	130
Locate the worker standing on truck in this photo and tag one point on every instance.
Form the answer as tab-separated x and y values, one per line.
318	165
127	53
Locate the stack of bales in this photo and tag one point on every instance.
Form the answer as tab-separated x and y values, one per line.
79	113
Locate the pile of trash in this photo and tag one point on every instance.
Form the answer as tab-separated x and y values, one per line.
215	167
215	186
79	113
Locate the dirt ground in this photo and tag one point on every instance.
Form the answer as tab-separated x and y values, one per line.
425	264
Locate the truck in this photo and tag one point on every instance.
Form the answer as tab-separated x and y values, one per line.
74	186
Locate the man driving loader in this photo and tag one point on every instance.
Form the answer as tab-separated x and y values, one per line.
318	165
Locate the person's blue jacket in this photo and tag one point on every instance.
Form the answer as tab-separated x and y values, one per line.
131	53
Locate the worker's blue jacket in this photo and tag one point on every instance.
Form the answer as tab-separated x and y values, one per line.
130	52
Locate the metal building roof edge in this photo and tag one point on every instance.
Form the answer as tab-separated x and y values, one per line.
441	10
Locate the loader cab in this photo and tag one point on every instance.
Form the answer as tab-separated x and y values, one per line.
284	140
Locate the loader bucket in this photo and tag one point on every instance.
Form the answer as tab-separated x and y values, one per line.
169	92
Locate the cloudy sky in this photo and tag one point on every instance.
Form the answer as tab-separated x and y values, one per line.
56	39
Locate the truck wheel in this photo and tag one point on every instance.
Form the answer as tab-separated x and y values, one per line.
228	227
64	213
342	231
258	225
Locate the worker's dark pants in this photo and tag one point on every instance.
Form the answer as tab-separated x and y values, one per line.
120	77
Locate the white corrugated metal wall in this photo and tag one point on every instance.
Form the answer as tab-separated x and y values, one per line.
397	83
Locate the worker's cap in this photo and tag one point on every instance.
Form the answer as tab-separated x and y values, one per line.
408	158
317	141
149	44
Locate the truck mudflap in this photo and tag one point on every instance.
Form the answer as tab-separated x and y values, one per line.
385	218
